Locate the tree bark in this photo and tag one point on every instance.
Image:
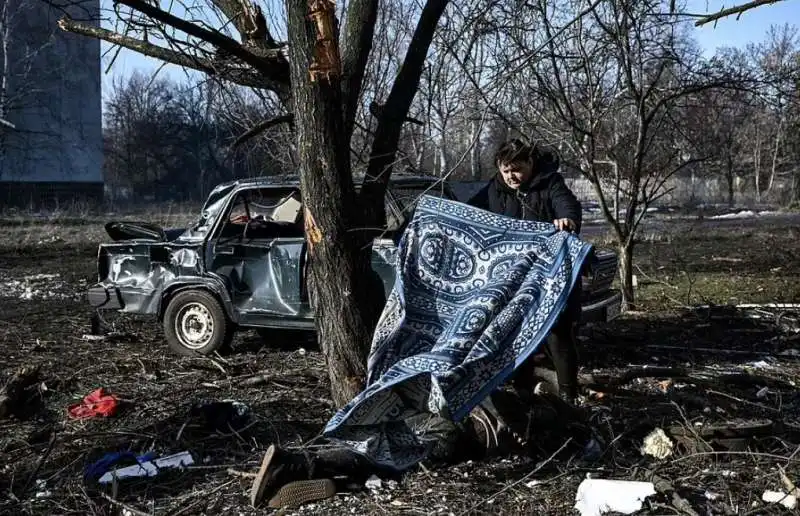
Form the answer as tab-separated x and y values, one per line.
338	259
625	250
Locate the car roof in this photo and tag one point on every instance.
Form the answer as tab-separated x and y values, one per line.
284	181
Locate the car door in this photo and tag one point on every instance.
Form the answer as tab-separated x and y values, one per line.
258	253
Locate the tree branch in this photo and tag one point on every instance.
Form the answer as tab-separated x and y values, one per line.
248	19
236	75
272	65
359	31
261	127
738	10
387	133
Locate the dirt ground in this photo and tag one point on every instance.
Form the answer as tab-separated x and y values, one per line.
662	366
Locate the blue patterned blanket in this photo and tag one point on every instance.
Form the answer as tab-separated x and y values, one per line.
476	294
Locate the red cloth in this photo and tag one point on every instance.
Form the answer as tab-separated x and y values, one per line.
96	403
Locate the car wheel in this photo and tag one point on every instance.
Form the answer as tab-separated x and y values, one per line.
195	324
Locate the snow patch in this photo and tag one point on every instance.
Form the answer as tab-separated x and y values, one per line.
746	214
37	286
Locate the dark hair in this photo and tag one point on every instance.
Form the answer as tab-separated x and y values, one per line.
514	151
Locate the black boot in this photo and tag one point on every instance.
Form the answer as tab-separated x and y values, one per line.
287	479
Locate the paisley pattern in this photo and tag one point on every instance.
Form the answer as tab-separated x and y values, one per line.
476	294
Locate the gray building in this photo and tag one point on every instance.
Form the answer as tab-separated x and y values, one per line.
51	148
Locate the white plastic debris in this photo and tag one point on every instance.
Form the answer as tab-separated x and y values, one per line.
533	483
373	482
598	496
711	496
787	500
149	468
657	444
41	489
762	392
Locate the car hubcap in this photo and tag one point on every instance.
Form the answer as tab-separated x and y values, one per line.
194	326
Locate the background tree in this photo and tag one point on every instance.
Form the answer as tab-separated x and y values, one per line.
609	90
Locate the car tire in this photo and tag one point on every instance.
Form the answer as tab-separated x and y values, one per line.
195	324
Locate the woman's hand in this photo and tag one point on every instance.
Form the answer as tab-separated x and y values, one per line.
565	225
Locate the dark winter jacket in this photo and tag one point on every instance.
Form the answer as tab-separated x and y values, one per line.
544	198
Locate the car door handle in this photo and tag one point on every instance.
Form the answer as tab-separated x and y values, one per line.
228	250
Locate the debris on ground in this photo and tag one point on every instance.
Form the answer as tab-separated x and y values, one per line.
787	500
20	391
225	415
149	468
597	496
97	403
657	444
373	482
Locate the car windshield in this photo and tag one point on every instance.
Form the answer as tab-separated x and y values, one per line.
272	204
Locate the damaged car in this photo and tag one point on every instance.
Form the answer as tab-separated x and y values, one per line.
242	264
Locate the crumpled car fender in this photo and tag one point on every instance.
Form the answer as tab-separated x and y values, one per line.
208	284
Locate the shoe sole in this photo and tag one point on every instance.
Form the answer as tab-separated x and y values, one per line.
260	481
297	493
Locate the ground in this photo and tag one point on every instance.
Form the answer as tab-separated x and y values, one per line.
722	365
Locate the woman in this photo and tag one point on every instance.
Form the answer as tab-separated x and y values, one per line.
528	186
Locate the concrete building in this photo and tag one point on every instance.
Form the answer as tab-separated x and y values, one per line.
51	150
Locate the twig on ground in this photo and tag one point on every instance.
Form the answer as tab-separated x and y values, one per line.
40	462
125	506
741	400
733	452
524	478
689	425
201	499
219	366
242	474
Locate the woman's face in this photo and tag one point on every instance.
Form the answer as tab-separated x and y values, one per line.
516	173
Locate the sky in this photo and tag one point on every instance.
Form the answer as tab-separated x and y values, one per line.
751	27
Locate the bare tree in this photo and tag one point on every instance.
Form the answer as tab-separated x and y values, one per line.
607	90
776	63
318	76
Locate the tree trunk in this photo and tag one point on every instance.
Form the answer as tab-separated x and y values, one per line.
730	177
775	152
338	258
625	250
475	150
757	166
